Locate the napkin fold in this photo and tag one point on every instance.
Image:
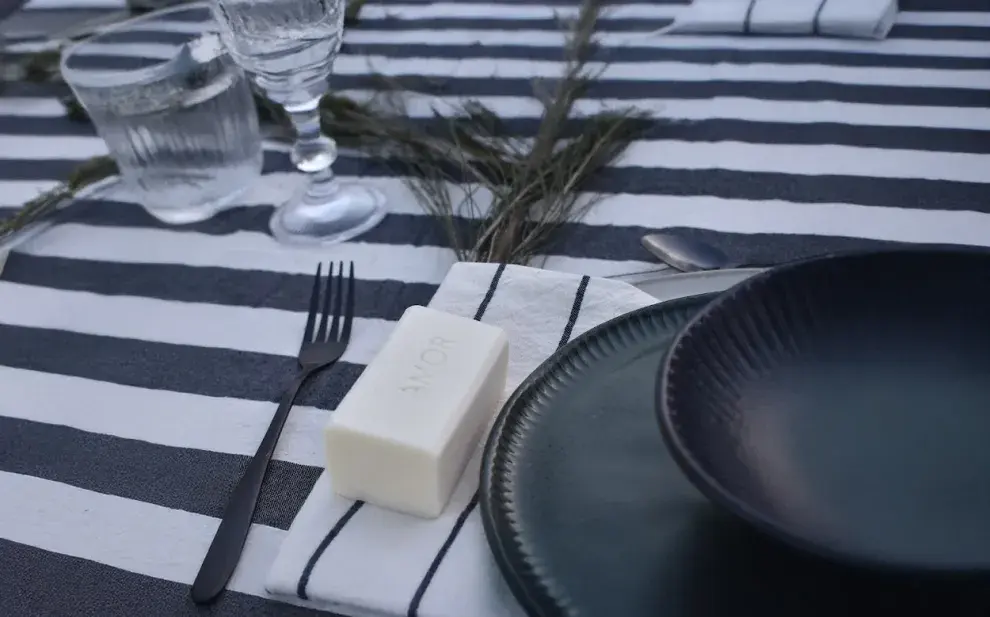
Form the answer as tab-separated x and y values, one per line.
365	561
869	19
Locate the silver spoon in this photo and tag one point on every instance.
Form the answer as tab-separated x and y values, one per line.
687	254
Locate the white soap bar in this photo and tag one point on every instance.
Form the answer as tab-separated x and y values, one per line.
401	437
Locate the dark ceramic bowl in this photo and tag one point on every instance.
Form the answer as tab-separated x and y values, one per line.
842	405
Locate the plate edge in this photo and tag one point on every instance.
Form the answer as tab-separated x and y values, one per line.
546	605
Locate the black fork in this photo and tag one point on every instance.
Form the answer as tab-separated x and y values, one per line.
319	350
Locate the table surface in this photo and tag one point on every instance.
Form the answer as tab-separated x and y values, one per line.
118	334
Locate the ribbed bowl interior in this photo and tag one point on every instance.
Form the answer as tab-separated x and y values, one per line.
843	405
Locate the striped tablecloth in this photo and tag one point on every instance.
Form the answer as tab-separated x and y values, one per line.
139	363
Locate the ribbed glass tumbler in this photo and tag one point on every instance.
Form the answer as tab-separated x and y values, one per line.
177	116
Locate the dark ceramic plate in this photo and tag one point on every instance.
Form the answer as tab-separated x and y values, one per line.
842	404
588	516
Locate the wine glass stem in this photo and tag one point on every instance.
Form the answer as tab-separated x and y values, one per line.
313	153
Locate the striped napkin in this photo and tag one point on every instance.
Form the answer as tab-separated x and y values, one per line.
871	19
365	561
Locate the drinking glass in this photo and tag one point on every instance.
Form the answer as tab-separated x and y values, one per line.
288	47
177	115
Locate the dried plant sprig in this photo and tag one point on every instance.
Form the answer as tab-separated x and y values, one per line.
497	197
531	190
87	174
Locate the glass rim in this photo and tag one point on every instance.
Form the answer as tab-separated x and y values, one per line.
111	78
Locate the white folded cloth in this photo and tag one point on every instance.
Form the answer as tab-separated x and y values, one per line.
870	19
366	561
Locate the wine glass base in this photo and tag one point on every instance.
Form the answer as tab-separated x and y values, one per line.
312	220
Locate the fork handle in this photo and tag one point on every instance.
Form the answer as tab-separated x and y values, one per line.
225	551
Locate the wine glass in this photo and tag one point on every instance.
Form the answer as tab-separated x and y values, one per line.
288	48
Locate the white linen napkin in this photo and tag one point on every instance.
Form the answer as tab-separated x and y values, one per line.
366	561
871	19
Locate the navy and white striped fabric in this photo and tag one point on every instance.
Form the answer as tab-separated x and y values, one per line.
364	560
139	363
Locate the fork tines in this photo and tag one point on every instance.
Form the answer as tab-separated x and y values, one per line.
332	290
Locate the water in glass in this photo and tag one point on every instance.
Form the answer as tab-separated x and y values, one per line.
182	129
288	47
